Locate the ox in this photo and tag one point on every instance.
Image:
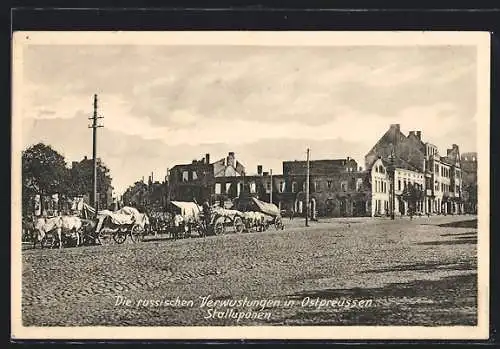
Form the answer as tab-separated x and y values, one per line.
56	226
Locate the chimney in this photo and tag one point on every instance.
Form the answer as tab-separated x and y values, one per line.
265	174
454	146
230	159
419	135
411	133
396	127
207	159
259	170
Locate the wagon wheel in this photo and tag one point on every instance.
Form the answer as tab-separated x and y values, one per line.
200	229
136	234
47	242
238	225
104	237
278	224
219	228
119	236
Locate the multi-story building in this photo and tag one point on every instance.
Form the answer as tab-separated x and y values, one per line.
338	188
443	181
411	160
218	183
380	189
402	178
192	182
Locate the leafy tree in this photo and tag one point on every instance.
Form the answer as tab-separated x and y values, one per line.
82	177
44	172
412	194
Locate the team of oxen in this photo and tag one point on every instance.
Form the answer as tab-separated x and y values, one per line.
184	219
83	231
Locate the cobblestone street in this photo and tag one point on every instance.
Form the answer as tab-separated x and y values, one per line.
418	272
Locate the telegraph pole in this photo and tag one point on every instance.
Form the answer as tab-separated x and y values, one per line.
307	189
94	127
271	195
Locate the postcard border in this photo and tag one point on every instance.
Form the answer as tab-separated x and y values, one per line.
479	39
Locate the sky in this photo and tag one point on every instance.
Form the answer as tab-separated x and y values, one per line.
167	105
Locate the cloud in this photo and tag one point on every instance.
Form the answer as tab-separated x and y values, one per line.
262	83
165	105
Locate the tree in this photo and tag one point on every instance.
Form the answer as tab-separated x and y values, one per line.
82	177
412	194
44	172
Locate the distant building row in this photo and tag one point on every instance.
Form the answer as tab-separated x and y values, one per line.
339	187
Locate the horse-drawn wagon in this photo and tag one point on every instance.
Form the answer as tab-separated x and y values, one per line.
259	215
189	218
117	225
221	219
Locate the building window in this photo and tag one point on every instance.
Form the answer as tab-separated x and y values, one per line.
217	188
359	184
253	188
343	185
329	184
268	186
294	187
185	176
315	186
399	184
195	176
228	186
282	187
